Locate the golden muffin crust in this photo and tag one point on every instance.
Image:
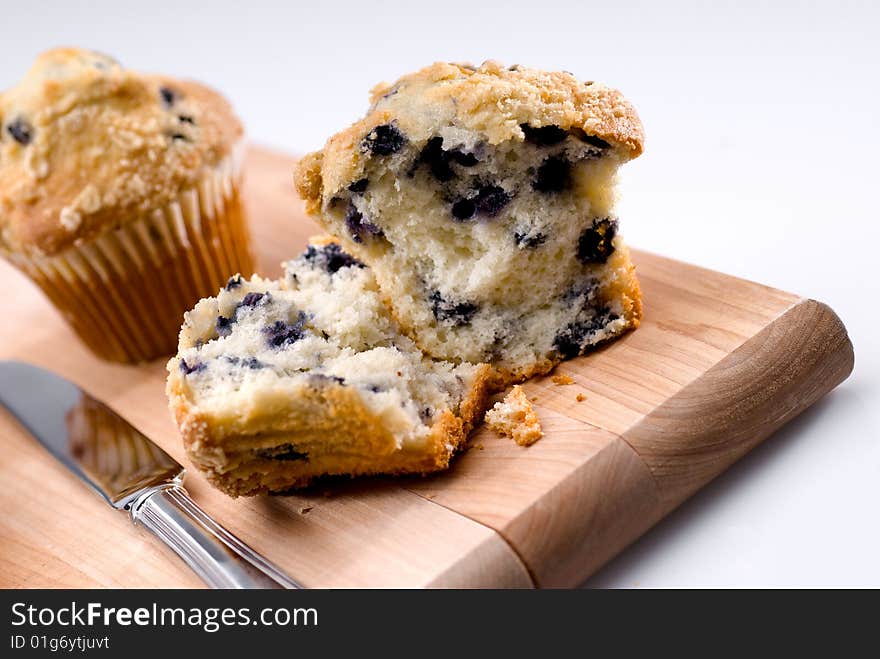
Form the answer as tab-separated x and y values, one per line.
489	99
87	146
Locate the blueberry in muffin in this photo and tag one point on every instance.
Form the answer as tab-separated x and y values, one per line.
278	382
483	201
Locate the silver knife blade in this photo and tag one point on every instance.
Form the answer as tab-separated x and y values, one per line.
131	472
90	439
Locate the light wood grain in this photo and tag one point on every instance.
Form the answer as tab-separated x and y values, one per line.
708	425
718	364
566	505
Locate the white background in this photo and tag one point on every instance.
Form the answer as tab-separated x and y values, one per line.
761	161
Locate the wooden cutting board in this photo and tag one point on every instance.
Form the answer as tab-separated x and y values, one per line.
718	365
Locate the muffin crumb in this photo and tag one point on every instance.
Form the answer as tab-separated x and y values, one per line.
515	417
580	398
562	379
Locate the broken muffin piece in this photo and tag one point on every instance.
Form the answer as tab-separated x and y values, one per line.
278	382
516	418
483	200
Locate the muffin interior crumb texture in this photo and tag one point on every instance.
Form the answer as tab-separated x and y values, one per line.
277	382
492	249
495	253
515	417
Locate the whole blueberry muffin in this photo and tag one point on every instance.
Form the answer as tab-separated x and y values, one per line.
279	382
119	197
483	200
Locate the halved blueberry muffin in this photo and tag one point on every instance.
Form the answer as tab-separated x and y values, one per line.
482	198
278	382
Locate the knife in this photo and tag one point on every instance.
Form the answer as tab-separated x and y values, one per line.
132	474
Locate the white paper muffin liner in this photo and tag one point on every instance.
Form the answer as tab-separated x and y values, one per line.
125	291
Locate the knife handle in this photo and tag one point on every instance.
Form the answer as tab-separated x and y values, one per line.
217	556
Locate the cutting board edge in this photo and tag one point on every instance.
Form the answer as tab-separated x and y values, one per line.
492	564
809	354
645	481
608	502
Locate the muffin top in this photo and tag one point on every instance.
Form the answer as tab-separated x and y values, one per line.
491	100
86	146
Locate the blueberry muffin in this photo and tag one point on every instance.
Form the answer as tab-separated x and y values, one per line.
119	197
483	200
279	382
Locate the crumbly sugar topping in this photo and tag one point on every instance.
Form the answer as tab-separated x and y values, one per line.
86	145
